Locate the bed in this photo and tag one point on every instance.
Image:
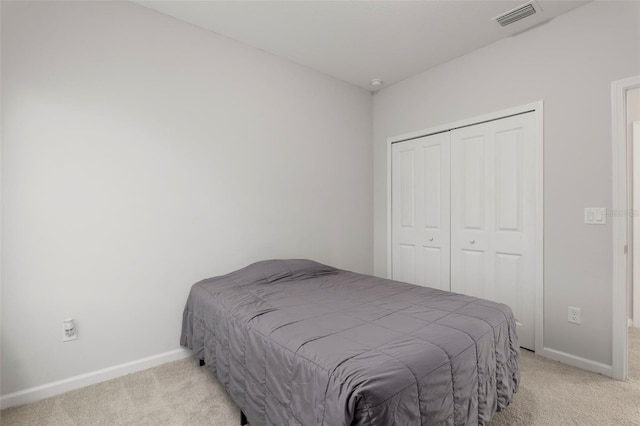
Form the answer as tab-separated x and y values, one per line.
295	342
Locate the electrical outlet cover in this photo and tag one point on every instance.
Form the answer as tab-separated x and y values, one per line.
574	315
69	330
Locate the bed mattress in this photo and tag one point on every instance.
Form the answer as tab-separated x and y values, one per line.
295	342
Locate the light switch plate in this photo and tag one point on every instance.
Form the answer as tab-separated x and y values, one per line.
595	215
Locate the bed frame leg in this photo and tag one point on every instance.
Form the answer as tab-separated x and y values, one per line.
243	419
201	362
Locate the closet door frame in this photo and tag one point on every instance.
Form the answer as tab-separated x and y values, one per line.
537	109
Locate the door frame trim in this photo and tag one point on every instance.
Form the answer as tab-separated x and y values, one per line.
635	284
619	355
537	109
634	232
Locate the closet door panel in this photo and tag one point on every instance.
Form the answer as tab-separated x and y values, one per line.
407	269
404	212
472	185
434	267
508	284
514	233
470	213
407	184
435	208
433	186
470	278
508	152
492	215
420	210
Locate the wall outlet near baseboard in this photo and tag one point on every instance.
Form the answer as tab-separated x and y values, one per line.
69	330
574	315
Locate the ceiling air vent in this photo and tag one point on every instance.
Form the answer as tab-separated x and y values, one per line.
517	14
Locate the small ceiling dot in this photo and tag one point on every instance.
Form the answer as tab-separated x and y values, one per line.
376	82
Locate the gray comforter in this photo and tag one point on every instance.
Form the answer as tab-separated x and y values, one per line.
295	342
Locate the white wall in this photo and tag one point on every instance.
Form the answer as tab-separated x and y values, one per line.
141	154
569	63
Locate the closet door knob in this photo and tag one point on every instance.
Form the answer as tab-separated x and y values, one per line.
430	238
472	241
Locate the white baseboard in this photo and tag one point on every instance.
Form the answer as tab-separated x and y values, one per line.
576	361
50	389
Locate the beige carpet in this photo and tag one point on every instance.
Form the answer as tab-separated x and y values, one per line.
181	393
552	393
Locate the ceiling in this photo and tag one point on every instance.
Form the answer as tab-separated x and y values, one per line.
357	41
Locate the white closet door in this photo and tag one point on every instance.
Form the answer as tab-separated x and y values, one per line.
492	215
420	215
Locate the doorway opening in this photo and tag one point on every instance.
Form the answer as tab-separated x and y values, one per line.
626	214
